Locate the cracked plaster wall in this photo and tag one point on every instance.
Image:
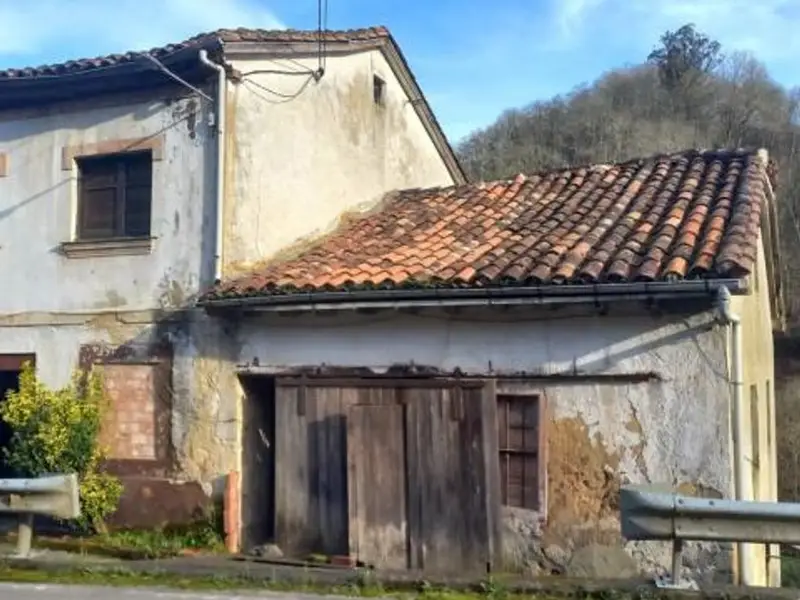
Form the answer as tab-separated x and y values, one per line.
671	429
286	185
39	195
53	304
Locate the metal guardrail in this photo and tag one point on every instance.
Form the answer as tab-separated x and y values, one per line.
650	513
53	496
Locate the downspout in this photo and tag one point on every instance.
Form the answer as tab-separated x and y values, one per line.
743	489
220	168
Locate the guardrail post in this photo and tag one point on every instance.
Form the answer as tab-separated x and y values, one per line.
677	551
24	535
51	495
658	513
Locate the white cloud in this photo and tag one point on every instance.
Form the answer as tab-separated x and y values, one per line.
572	15
54	27
765	27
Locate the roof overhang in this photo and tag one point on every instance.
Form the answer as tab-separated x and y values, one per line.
397	62
128	76
479	297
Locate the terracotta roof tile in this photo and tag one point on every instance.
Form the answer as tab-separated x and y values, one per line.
694	214
72	67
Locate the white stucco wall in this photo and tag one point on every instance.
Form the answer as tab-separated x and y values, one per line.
687	355
672	428
51	304
38	202
295	163
302	151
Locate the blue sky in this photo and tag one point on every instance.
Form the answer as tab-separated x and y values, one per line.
473	58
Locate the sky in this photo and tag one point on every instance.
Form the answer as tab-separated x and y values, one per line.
472	58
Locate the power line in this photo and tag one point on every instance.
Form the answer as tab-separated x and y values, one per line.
322	28
183	82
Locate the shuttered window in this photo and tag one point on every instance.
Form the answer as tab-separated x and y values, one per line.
114	196
521	450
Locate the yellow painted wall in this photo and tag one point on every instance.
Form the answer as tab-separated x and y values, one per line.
759	401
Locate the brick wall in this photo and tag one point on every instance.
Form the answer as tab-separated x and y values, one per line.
137	433
129	431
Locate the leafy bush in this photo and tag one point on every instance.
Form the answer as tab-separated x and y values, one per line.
57	431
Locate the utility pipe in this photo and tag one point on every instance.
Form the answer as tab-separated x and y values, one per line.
743	488
221	101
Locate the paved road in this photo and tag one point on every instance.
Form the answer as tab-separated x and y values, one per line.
51	592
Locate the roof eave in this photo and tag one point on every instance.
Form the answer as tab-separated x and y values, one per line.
476	297
114	77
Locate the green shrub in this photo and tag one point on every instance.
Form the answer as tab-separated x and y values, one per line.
57	431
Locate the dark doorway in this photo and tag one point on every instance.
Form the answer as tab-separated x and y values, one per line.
258	462
10	369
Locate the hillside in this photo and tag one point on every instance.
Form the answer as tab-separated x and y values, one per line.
686	94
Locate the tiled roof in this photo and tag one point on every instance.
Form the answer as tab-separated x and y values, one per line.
694	214
221	35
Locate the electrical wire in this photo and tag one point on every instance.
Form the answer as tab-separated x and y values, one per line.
169	73
283	97
322	28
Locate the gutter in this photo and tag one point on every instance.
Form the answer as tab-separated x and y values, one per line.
219	179
465	297
743	488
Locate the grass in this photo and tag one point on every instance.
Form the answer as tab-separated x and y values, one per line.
790	570
202	536
363	586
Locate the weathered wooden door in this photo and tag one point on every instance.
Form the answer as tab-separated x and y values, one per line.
401	473
376	477
452	477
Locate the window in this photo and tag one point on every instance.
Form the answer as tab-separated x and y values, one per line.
378	90
114	196
521	441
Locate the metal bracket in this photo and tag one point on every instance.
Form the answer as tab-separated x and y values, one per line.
674	582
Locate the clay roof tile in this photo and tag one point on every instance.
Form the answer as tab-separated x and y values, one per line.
689	214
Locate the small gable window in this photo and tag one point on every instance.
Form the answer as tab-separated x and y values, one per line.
378	90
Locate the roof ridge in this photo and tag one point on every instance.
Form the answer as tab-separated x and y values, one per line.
605	166
223	34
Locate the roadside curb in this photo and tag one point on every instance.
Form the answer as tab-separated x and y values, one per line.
268	574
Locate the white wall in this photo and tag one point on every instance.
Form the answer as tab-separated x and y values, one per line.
687	356
37	203
669	428
302	151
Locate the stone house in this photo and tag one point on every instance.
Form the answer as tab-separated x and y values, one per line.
492	360
129	183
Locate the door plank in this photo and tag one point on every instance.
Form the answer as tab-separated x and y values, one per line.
376	485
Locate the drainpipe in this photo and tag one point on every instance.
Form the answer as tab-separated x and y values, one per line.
742	484
220	169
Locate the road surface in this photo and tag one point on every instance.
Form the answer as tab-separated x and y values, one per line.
42	591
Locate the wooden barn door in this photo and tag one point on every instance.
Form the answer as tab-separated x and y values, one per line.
400	473
453	479
377	485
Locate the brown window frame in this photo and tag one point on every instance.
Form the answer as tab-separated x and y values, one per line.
531	450
117	170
